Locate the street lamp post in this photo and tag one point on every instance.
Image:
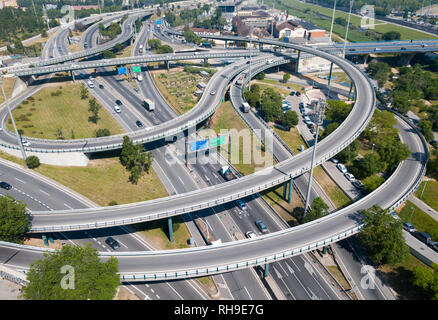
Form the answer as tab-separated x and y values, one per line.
412	212
250	44
424	187
23	153
348	25
319	118
372	148
333	19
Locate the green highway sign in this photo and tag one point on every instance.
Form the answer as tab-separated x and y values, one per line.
216	141
136	69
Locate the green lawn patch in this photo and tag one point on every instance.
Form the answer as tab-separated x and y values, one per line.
420	219
430	194
338	197
106	180
292	138
60	107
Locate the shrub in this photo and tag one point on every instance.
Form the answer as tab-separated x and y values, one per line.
32	162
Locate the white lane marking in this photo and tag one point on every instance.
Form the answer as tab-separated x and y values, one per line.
295	265
68	206
323	279
122	244
20	180
146	296
181	180
152	290
158	296
45	192
174	291
247	292
100	243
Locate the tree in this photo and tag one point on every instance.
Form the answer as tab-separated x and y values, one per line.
126	155
260	76
94	108
154	44
158	12
72	273
32	162
170	18
349	153
367	166
341	21
165	49
190	36
271	104
318	209
393	152
391	35
401	101
379	71
426	129
135	175
84	92
286	77
289	119
102	133
252	96
382	235
337	111
427	279
372	183
329	129
108	54
14	220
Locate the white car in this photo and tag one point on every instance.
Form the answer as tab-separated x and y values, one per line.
341	167
349	176
25	143
212	92
117	109
139	77
307	120
250	235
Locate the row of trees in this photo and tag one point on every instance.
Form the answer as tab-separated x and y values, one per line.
269	103
135	159
156	46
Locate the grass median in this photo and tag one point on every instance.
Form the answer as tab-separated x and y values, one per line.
430	193
58	111
419	219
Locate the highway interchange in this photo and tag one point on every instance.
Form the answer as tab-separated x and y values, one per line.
251	249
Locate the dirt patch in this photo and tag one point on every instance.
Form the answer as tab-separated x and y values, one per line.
124	294
38	242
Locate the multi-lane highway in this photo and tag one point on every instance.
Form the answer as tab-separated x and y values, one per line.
243	254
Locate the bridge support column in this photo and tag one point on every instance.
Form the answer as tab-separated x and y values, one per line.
405	59
169	222
298	61
266	274
351	89
73	75
365	58
285	190
261	46
167	65
291	183
330	74
226	44
324	250
205	62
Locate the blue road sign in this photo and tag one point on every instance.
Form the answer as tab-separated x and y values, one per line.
198	145
121	70
158	21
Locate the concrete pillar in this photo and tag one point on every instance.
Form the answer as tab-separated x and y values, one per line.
284	190
226	43
298	61
351	89
266	270
205	61
405	59
365	59
291	183
169	222
330	74
261	46
167	65
73	75
324	250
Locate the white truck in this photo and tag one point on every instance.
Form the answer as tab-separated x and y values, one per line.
149	104
246	107
140	49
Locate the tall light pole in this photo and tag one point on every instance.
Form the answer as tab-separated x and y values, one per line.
424	187
250	44
319	118
333	20
348	25
23	153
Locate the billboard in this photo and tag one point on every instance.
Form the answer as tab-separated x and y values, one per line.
121	70
136	69
198	145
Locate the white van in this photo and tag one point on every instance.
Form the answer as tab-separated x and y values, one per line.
90	84
139	77
117	109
